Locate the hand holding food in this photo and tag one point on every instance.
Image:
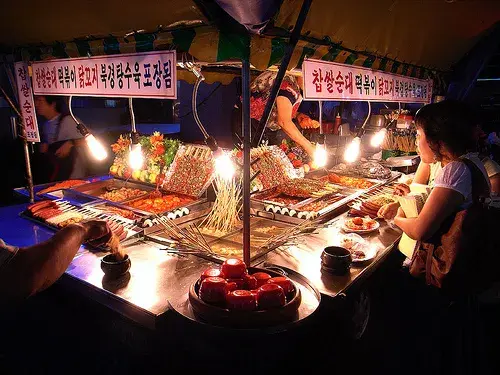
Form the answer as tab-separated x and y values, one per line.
401	190
388	211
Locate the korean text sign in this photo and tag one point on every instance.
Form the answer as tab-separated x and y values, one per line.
325	80
26	102
144	75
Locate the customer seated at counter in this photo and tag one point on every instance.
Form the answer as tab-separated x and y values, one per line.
29	270
444	135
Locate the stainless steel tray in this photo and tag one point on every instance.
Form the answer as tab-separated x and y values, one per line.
125	204
94	189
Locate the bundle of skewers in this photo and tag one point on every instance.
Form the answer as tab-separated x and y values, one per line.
290	236
402	140
368	204
224	216
183	240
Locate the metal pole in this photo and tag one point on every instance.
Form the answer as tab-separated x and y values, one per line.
294	38
245	84
29	175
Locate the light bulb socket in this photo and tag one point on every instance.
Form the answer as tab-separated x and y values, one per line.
211	143
82	129
322	139
134	137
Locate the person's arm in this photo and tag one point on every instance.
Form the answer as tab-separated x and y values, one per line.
284	108
37	267
442	202
495	184
422	174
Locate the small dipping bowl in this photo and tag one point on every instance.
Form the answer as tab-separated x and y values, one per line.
336	260
113	268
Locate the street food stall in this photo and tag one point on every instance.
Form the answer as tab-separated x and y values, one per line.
269	216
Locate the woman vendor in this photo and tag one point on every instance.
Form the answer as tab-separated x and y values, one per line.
280	124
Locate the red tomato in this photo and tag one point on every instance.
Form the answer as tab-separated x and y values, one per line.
291	156
240	282
283	282
297	163
250	282
270	296
211	272
213	290
241	300
230	287
357	221
234	268
261	277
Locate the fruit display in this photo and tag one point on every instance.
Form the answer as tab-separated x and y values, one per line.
158	151
121	194
191	171
234	288
157	202
61	185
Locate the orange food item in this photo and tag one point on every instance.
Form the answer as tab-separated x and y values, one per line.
161	204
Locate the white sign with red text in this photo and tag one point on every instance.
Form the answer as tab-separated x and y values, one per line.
26	102
142	75
324	80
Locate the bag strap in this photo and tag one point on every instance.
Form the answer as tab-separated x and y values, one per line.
480	188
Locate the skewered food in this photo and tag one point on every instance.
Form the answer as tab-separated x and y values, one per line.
352	182
121	194
61	185
158	204
301	187
191	171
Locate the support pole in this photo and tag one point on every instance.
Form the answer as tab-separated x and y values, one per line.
245	84
294	38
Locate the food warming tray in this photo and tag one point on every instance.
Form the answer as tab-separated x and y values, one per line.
94	189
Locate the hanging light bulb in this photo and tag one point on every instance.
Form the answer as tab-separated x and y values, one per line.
96	148
224	166
320	155
135	157
378	137
352	151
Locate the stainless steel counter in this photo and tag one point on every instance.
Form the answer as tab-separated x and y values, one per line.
157	278
305	257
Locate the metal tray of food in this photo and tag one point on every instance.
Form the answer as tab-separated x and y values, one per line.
96	189
186	207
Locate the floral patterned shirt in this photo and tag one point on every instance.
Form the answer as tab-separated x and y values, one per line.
260	89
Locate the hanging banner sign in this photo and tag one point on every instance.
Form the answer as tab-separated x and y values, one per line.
26	102
143	75
324	80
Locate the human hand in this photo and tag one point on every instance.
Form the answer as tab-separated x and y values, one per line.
64	150
401	213
401	189
388	211
97	231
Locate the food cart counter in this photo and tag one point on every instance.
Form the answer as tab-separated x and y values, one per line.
159	280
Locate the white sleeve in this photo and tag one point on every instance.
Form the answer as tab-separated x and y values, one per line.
455	176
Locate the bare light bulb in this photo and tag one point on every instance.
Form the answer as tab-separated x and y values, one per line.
224	167
320	155
352	151
96	148
135	157
378	137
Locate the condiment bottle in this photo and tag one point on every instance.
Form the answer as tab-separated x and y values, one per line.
336	124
